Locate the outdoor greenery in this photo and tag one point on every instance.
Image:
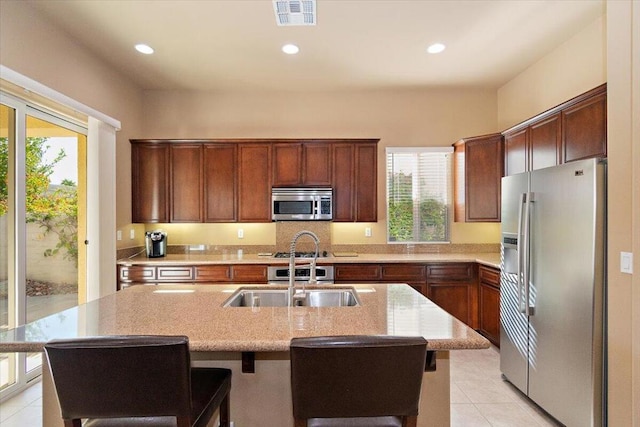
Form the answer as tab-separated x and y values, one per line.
53	208
428	224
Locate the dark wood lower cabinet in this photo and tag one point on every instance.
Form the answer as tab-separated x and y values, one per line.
489	303
454	287
190	274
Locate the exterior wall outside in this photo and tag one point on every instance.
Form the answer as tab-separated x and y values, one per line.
572	68
55	269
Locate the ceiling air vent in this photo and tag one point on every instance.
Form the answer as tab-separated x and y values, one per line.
295	12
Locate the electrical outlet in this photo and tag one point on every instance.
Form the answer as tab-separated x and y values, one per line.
132	234
240	233
119	234
367	232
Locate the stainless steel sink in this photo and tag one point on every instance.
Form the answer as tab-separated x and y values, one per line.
251	297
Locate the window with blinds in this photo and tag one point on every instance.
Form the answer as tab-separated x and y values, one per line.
418	194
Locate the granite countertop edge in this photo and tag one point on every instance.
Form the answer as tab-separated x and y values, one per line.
489	259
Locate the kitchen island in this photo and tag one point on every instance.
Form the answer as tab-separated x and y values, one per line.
254	342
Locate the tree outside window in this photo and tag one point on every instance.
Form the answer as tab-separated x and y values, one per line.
418	194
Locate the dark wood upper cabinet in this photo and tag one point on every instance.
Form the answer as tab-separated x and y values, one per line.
301	164
254	182
150	182
585	129
516	156
229	180
185	183
355	181
366	182
478	164
316	160
220	188
544	143
343	182
573	130
287	164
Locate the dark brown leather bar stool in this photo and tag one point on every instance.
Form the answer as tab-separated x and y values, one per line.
371	381
135	381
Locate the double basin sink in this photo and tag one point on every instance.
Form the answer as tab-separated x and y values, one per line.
252	297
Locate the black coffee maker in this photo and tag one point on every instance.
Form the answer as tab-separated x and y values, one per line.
156	243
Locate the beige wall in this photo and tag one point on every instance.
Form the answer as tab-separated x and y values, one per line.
572	68
34	48
419	117
590	58
623	87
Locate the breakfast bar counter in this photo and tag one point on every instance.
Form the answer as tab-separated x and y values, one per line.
224	336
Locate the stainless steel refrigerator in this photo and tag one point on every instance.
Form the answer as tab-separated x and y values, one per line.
552	334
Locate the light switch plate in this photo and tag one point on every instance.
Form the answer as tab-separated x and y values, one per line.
240	233
626	262
119	234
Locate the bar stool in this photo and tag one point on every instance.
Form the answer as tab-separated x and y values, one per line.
135	380
371	381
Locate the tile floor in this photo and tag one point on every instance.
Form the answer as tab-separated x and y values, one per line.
479	397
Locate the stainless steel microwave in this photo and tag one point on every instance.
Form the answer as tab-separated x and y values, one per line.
301	204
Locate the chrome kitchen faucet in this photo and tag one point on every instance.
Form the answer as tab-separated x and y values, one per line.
300	297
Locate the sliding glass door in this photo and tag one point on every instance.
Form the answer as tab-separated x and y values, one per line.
42	222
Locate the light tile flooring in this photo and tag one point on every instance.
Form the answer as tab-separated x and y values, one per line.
479	397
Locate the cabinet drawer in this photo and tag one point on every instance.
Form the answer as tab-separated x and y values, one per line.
403	272
357	272
137	273
490	276
175	273
249	273
213	273
463	271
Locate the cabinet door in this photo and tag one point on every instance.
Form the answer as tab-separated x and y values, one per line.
455	298
317	164
343	182
454	287
186	183
213	273
489	303
175	274
489	312
366	177
357	272
249	273
220	182
287	164
254	182
482	169
411	274
584	129
150	182
544	143
515	152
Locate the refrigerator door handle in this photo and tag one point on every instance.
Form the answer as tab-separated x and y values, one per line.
527	309
520	281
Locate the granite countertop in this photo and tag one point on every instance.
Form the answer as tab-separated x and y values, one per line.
197	312
489	258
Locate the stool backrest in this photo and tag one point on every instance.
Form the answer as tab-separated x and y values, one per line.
121	376
356	376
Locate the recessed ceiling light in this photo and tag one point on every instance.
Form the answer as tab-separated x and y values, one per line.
290	49
144	48
436	48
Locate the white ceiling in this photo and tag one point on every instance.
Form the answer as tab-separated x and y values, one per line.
235	44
